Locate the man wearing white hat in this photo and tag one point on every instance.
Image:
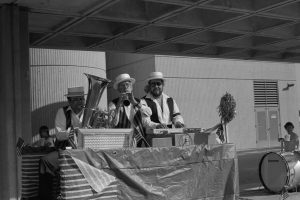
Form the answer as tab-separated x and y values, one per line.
164	109
71	115
67	118
126	110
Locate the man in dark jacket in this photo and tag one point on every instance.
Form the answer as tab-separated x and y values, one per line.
126	111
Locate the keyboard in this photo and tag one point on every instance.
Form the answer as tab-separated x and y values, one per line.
174	130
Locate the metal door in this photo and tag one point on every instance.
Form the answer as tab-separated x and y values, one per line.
267	127
274	125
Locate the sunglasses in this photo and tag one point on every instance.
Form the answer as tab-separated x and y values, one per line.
73	99
156	83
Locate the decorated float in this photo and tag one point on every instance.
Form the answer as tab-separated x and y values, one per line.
186	163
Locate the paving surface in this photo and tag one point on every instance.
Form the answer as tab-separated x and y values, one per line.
262	194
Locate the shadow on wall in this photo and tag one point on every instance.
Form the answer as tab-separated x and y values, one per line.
45	116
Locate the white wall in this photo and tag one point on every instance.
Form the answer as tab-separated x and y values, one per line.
288	105
198	84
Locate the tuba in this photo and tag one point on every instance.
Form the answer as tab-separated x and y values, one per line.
96	88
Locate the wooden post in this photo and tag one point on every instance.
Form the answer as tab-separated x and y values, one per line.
225	128
15	95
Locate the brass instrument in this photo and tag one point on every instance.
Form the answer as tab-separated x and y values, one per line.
96	88
91	135
126	101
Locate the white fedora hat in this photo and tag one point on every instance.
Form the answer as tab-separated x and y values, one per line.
155	75
75	92
121	78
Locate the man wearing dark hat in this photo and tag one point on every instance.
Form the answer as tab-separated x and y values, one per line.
126	110
165	112
67	120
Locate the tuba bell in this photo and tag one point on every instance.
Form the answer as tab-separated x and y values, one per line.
96	88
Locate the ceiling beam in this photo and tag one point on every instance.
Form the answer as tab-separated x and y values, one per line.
214	26
160	18
67	25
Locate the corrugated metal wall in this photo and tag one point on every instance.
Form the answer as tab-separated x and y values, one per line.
52	72
297	67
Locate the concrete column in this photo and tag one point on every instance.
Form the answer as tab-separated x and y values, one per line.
14	94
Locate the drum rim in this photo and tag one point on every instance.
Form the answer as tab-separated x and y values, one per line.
260	175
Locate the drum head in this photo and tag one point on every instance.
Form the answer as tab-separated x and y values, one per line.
273	172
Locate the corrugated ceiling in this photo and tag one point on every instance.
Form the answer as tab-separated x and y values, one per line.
244	29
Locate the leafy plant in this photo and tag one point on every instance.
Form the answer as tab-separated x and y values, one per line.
227	108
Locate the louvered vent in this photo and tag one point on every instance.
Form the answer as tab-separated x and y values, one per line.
265	93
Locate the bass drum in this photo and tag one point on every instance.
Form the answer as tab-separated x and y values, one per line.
279	170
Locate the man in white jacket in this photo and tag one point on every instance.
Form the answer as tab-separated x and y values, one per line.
165	112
